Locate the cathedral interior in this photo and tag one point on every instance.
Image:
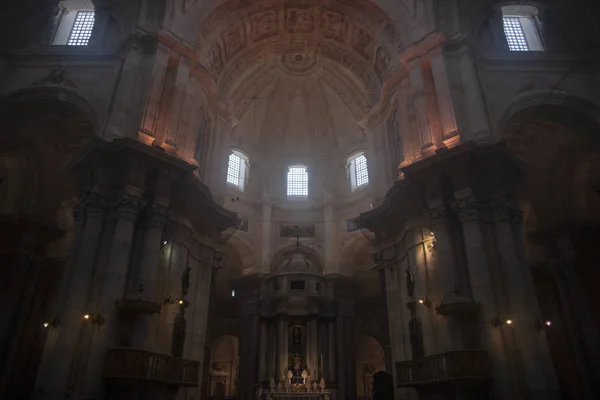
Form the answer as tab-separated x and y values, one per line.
299	199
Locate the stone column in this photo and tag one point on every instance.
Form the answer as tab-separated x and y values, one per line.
417	87
483	293
445	276
113	289
342	378
146	282
574	295
181	85
312	351
328	240
282	348
444	99
248	371
152	100
574	335
58	370
331	375
262	352
473	123
532	352
266	234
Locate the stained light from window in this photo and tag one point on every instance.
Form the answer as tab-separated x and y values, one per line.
515	36
297	181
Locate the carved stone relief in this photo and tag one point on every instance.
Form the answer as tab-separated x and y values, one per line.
234	39
298	20
215	62
264	24
362	41
382	63
333	25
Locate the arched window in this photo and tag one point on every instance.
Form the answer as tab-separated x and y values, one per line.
521	28
76	23
358	171
297	181
237	169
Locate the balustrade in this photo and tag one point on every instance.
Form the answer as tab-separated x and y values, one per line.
132	364
463	365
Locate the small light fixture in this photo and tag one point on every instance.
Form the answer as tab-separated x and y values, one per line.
164	242
180	301
86	316
421	301
233	293
46	324
96	319
432	234
548	323
509	322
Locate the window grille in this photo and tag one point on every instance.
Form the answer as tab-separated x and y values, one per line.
515	36
234	169
297	181
359	173
82	29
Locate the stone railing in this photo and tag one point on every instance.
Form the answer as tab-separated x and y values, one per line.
141	365
465	365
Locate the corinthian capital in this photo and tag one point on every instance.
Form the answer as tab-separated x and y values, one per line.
468	209
129	206
156	216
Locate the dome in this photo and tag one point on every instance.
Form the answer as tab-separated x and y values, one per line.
298	262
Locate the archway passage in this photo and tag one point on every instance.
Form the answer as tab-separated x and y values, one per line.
369	360
223	370
560	149
39	136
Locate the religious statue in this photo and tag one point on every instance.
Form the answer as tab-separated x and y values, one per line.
178	335
410	283
185	281
295	374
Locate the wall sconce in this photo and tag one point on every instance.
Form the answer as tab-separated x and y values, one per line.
541	325
496	322
55	323
424	302
173	300
95	319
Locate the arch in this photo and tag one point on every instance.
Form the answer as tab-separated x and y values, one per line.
286	252
53	93
530	100
370	359
224	363
44	128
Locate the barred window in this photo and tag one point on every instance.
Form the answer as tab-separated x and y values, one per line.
237	169
297	181
358	171
82	29
514	34
522	28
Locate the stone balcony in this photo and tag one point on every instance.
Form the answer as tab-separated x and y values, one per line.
134	366
462	366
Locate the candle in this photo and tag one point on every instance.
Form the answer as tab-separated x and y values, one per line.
273	371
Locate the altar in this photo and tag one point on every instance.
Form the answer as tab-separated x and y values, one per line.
297	322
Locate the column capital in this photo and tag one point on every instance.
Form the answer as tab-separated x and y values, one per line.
128	206
92	205
468	209
156	216
437	212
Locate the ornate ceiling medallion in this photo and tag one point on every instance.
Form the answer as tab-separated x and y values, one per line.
298	63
